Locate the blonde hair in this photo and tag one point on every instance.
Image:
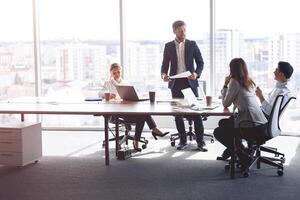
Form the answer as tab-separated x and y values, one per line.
114	66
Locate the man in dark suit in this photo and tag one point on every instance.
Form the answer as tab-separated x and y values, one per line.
179	56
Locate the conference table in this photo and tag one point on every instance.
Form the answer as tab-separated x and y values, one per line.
171	107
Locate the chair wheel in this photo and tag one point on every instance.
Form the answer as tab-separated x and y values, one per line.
144	146
280	172
239	165
173	144
227	167
246	174
212	141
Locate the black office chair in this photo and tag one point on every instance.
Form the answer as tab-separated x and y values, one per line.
273	130
123	139
190	134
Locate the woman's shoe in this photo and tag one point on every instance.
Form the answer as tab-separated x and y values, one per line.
159	134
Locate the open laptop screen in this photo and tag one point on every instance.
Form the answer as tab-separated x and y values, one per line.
128	93
190	97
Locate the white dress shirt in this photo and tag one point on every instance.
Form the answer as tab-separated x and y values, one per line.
110	86
180	56
280	89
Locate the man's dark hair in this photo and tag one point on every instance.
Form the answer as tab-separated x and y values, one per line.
286	68
177	24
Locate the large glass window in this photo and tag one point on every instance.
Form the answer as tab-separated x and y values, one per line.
79	39
263	33
16	51
149	26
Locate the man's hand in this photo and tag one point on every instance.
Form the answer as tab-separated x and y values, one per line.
166	78
259	94
193	76
226	109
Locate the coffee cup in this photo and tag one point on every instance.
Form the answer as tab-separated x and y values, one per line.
152	96
107	96
208	100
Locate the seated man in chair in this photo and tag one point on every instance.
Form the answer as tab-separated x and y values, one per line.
282	74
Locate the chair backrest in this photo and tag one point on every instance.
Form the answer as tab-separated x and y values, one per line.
283	107
273	122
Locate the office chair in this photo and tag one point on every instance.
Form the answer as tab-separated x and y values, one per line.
273	130
123	139
190	134
272	149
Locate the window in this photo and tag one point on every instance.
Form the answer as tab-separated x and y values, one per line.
149	27
16	51
262	33
79	39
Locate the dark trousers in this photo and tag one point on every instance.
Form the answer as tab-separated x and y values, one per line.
150	122
198	124
226	131
139	122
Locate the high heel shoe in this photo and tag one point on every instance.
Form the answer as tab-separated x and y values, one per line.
159	134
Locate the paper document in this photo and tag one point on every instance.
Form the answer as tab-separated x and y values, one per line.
181	75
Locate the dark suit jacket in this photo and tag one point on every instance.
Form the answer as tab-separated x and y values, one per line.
169	64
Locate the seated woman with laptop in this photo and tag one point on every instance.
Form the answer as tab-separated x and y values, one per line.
110	86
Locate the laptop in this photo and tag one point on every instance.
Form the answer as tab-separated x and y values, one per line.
93	99
128	93
192	101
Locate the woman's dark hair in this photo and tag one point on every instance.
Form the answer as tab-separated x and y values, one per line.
239	71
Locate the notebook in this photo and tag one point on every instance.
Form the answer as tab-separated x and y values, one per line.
192	101
128	93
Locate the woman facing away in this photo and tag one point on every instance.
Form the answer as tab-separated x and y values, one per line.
110	85
239	90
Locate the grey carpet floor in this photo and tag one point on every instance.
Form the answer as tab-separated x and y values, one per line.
74	169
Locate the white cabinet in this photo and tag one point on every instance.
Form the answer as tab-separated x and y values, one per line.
20	143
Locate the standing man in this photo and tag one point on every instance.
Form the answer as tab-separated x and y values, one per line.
179	56
282	74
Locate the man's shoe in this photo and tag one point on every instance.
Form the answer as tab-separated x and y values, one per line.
249	151
225	155
182	146
202	146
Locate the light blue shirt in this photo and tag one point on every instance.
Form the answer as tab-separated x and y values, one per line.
280	89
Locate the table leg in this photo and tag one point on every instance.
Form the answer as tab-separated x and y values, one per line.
106	140
233	160
117	136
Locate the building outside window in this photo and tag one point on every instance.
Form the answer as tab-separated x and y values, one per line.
80	39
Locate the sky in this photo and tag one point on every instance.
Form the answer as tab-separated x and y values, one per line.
145	19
